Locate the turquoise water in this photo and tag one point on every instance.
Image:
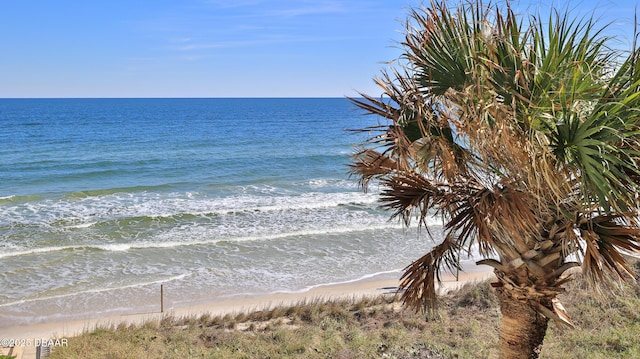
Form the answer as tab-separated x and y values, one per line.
103	200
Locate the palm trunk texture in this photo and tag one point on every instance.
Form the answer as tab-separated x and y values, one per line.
522	329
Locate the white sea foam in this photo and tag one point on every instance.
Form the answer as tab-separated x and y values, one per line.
17	253
121	247
354	280
86	212
93	291
82	225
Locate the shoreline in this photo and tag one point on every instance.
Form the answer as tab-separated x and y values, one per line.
376	285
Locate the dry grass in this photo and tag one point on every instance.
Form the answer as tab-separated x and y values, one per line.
371	328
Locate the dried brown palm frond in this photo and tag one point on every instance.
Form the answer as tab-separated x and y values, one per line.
418	283
370	164
499	218
410	193
398	88
607	238
420	135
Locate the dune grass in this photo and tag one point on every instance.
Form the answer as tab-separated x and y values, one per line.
371	328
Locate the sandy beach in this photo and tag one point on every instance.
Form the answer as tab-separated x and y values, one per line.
369	287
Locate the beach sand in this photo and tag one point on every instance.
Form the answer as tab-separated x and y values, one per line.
31	334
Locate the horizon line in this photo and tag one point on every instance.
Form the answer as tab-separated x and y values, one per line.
176	98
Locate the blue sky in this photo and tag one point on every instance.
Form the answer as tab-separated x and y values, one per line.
213	48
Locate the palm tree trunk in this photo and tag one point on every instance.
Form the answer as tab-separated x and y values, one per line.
522	329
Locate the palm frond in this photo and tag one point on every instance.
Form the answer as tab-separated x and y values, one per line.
409	193
418	137
369	164
439	45
418	282
497	218
607	238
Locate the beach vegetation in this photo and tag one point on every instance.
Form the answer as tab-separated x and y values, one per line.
372	327
521	132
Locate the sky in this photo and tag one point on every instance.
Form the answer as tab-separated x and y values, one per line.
216	48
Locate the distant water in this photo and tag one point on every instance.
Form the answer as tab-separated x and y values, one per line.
103	200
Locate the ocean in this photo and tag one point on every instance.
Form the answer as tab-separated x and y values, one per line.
104	200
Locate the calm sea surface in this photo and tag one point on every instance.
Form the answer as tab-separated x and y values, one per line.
103	200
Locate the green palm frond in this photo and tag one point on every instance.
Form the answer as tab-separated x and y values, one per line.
439	49
590	148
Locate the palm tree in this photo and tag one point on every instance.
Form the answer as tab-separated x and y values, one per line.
523	134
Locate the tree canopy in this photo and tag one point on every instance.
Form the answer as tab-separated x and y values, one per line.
522	133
